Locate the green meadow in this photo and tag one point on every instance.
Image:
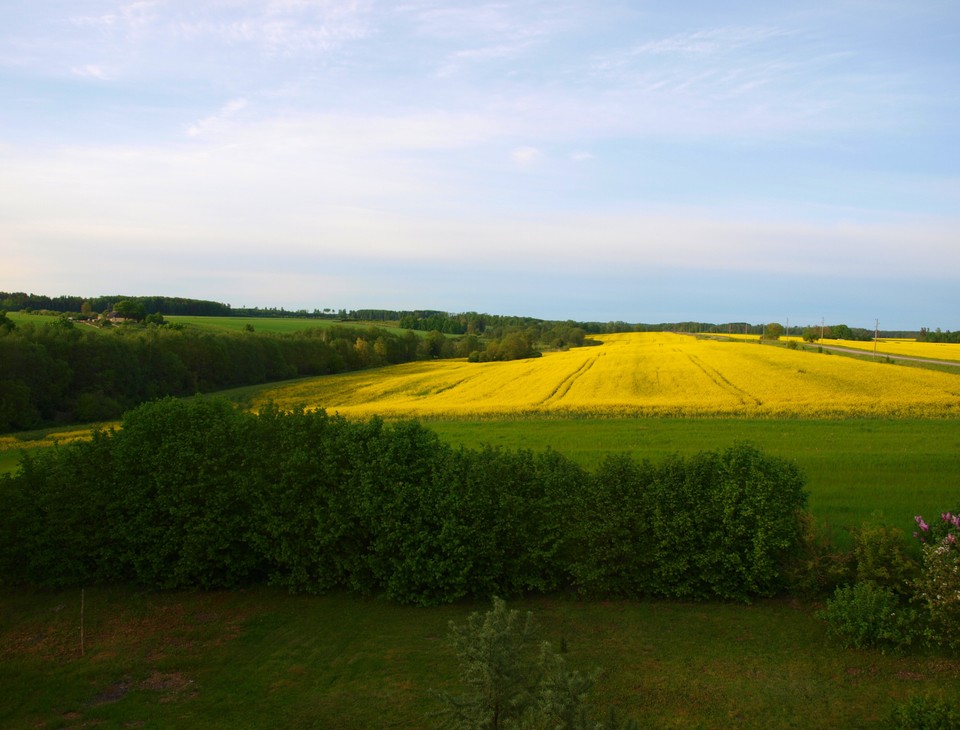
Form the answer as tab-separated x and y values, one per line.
20	318
278	325
856	468
260	658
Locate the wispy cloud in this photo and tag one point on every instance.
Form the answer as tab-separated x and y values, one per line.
125	16
526	156
708	42
212	123
91	71
279	28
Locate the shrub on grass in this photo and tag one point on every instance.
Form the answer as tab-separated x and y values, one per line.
938	586
715	525
925	712
880	555
866	615
817	567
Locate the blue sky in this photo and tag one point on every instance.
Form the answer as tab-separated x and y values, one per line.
637	161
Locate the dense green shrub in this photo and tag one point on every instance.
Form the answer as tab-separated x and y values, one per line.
616	554
198	493
938	585
308	531
865	615
715	525
817	567
880	555
925	712
187	515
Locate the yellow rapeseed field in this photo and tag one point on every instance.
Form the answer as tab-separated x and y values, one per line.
637	374
908	348
949	351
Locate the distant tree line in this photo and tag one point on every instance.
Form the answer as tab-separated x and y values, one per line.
937	336
428	320
198	493
63	372
19	301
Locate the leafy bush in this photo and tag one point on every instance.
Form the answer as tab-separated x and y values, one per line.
716	525
938	586
880	556
817	567
865	615
925	712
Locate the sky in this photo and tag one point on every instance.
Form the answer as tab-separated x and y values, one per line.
647	161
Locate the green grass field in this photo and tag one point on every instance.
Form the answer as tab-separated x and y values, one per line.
20	318
280	325
854	467
260	658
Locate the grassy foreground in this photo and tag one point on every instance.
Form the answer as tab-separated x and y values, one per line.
252	659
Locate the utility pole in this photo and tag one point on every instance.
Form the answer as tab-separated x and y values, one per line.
821	328
876	335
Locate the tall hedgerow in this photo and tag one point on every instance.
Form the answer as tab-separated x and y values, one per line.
197	493
715	525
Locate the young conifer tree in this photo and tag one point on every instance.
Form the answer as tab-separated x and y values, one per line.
512	681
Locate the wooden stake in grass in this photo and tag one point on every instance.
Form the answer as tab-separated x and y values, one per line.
81	622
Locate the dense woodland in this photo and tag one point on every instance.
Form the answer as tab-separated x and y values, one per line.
67	372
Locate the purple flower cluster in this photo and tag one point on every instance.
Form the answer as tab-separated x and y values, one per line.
948	529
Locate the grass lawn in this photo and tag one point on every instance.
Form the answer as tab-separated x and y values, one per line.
20	318
261	658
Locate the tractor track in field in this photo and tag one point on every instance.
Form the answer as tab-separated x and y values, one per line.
720	381
563	387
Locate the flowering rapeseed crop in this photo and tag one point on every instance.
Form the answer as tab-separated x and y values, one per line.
908	348
638	374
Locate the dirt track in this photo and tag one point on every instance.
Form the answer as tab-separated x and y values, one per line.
867	353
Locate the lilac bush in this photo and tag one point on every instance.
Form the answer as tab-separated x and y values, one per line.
938	587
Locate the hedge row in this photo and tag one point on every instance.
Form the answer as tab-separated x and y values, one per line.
197	493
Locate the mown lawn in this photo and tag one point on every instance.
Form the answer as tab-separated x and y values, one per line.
260	658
